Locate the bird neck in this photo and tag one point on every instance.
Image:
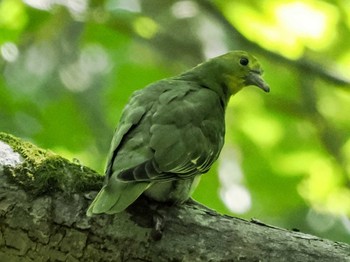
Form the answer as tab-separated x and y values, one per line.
211	78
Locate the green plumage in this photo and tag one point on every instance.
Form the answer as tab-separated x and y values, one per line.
171	132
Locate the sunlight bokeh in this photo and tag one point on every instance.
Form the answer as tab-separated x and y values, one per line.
291	26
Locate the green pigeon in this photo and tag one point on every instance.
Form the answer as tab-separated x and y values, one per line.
172	131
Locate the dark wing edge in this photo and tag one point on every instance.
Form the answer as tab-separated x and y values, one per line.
131	116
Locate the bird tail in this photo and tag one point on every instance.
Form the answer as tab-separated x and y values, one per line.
116	196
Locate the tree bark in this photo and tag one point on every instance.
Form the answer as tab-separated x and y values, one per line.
43	199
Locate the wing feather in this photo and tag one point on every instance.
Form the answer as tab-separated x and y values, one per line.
186	134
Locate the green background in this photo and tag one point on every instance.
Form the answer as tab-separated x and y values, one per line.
67	71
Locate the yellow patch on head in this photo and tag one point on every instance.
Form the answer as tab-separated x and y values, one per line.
240	69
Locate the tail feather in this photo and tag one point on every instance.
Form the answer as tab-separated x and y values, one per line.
116	196
131	192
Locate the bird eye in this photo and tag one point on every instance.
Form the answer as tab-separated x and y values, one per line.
244	61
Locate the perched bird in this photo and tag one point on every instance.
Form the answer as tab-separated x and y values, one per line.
172	131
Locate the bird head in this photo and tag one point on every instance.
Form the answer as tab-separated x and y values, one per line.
239	69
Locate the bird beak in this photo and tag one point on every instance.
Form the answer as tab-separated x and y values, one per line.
254	78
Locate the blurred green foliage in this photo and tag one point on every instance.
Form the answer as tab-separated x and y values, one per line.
68	68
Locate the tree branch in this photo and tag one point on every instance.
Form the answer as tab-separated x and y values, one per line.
43	199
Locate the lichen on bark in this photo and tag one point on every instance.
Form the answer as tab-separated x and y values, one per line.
43	171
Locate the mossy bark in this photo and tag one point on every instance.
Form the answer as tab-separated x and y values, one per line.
43	201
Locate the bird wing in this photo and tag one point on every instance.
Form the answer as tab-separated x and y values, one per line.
186	135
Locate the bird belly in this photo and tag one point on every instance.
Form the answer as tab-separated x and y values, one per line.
176	191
